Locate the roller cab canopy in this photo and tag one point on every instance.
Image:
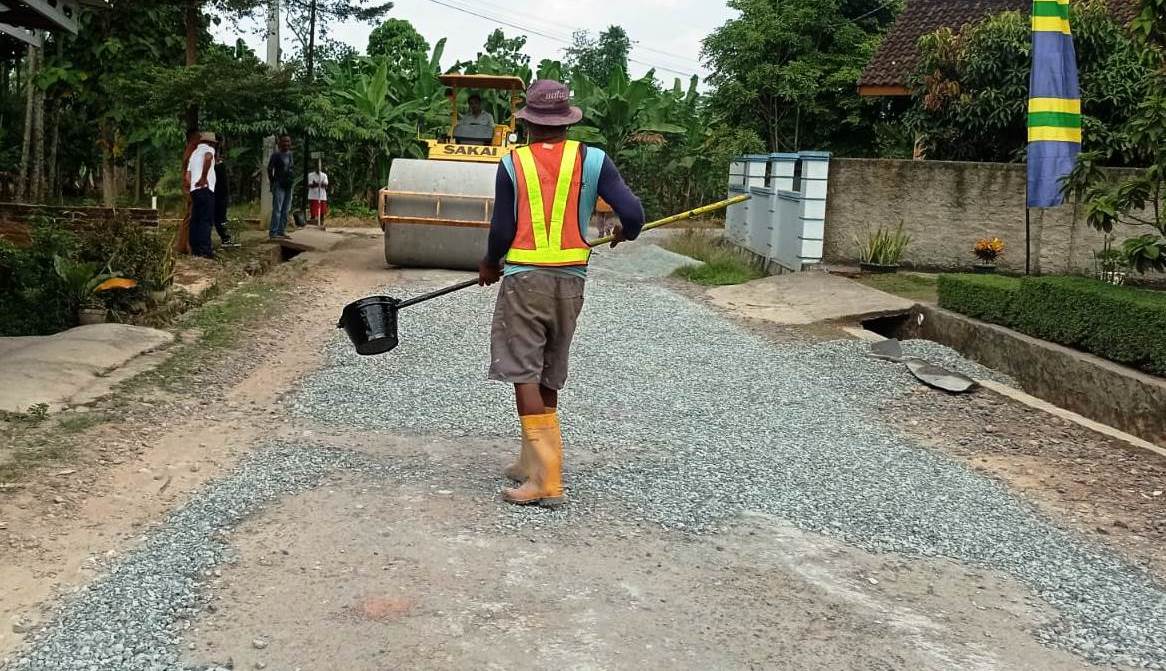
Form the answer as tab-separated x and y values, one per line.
492	82
451	147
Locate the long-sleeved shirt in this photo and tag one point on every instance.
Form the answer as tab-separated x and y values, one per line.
611	187
279	169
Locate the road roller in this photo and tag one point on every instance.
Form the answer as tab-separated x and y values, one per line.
436	212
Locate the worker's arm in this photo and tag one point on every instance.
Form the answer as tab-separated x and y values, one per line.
626	205
271	169
503	228
208	162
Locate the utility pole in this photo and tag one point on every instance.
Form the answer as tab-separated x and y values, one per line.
269	142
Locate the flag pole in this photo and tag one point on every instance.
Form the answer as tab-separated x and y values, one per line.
1027	237
1027	229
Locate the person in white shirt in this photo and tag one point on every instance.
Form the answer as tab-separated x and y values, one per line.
475	126
200	176
318	195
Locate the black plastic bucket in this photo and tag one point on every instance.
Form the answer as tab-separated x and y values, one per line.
371	324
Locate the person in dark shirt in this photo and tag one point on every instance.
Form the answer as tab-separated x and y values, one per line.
279	172
545	194
222	196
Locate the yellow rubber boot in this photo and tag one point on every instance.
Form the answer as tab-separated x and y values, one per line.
519	471
544	483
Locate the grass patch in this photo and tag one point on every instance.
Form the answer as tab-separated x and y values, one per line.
719	273
219	324
913	287
723	264
31	440
76	423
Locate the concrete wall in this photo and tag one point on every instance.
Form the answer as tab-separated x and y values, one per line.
948	206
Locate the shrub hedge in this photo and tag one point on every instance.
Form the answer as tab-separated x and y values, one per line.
986	297
1122	324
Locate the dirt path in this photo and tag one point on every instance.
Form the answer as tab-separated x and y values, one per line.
56	528
373	571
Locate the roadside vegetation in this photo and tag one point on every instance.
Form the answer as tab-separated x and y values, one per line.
912	286
722	263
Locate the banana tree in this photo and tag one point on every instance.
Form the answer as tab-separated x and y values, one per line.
623	114
383	110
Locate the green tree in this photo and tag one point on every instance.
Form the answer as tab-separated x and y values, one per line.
970	91
1134	200
506	52
398	41
787	70
598	59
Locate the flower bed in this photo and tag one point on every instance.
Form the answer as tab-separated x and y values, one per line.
1122	324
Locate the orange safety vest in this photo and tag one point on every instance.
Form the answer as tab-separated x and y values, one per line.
548	207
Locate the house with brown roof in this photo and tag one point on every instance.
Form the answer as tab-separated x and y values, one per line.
894	61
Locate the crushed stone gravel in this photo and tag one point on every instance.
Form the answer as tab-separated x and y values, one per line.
132	617
693	421
697	420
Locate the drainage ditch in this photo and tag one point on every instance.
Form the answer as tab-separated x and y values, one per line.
1124	398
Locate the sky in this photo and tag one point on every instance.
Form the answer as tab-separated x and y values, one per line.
666	34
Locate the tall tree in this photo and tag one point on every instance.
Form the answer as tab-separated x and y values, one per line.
506	51
316	16
787	69
397	41
1134	199
970	91
24	180
598	59
300	14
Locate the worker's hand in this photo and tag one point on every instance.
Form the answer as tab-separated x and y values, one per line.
488	273
201	184
617	233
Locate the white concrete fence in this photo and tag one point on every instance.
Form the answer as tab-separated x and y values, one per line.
784	222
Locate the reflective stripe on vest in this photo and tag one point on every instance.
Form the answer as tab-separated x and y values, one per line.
551	246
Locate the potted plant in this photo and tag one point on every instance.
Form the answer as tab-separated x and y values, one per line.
987	251
163	276
882	249
1112	265
83	285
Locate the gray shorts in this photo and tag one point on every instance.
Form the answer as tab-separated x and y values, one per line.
534	321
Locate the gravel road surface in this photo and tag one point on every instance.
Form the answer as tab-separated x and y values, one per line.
675	417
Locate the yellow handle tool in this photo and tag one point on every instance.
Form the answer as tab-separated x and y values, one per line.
680	217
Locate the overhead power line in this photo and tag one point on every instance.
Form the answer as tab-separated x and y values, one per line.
547	35
509	13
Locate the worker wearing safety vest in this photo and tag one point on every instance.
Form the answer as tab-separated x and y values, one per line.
545	194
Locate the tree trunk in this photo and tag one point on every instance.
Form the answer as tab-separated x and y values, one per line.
22	180
311	57
193	23
138	177
4	82
54	181
52	191
38	148
108	178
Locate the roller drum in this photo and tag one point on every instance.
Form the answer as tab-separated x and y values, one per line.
436	214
